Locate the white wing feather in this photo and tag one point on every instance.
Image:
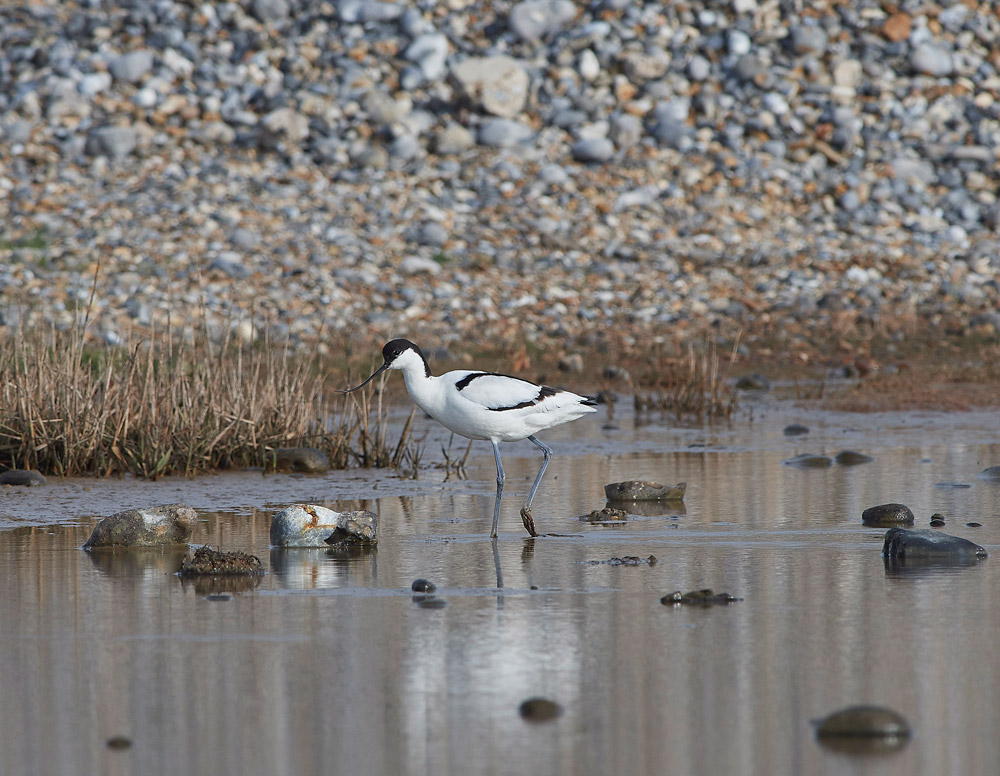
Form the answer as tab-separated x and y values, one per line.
497	392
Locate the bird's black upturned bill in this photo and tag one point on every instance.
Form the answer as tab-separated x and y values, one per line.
375	374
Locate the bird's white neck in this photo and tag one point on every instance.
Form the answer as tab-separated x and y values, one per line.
419	383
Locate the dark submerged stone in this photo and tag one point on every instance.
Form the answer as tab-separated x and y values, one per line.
808	461
423	586
851	458
638	490
991	474
25	477
540	710
925	544
308	460
209	562
705	597
864	722
795	429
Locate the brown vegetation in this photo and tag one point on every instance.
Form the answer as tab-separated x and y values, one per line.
165	407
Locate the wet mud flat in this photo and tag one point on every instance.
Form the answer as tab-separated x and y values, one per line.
330	661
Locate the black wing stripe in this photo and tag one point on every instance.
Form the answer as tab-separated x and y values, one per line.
543	392
464	382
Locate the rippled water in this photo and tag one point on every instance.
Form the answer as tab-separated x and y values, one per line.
330	666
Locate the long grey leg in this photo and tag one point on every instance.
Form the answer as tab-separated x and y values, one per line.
545	464
500	479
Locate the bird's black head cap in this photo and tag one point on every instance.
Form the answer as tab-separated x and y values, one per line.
395	348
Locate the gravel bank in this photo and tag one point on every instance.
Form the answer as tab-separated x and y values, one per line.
547	171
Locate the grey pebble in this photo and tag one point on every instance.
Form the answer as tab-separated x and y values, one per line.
131	67
597	149
503	133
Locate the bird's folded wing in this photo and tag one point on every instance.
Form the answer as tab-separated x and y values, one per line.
501	392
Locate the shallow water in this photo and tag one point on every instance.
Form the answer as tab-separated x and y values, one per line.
330	665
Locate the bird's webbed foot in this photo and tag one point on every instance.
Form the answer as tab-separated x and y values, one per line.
529	522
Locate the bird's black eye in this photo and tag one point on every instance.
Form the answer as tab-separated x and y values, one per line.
394	349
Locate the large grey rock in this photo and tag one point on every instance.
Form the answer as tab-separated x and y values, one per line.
148	527
927	544
497	85
309	525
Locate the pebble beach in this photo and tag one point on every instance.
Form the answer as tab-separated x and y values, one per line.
548	172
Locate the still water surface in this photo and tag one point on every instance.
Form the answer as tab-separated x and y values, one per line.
330	666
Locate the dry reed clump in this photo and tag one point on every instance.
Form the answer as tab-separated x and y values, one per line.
163	407
691	385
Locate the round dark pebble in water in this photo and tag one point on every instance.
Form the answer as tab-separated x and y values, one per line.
423	586
540	710
432	603
887	513
118	742
864	721
974	525
218	597
795	429
937	520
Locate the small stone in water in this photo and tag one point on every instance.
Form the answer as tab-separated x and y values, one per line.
209	562
808	461
423	586
540	710
851	458
628	560
636	490
608	513
118	742
706	597
795	429
887	513
864	721
937	520
974	525
754	382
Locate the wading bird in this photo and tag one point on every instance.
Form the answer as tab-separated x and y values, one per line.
485	405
